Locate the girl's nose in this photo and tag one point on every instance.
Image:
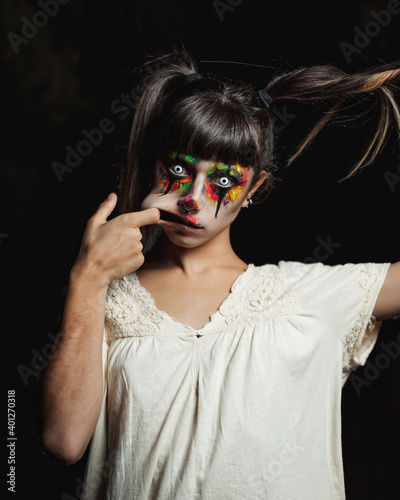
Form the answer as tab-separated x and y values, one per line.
189	204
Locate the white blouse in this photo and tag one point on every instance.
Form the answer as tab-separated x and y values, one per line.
247	407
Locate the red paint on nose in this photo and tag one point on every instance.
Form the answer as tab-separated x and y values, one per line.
191	204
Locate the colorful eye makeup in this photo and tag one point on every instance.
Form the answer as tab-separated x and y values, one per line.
174	173
223	184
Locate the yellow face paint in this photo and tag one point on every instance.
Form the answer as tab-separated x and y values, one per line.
170	177
225	183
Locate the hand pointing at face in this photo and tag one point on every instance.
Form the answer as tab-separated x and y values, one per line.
113	249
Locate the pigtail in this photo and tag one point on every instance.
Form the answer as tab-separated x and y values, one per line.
333	86
157	76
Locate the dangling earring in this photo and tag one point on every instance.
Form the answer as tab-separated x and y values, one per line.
249	202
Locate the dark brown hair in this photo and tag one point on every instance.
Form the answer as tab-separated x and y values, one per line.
216	119
330	84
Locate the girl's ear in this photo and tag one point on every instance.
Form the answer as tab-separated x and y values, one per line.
263	177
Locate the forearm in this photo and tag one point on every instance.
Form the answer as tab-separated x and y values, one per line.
72	384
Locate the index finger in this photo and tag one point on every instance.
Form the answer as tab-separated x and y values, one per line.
145	217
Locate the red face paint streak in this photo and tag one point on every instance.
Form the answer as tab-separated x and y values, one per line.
171	182
194	220
224	196
223	185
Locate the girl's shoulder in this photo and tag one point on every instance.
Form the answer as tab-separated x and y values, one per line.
318	283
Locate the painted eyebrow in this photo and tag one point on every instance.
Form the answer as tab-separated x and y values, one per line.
191	160
222	167
188	159
227	169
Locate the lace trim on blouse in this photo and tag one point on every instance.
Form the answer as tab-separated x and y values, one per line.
130	309
369	275
265	296
258	294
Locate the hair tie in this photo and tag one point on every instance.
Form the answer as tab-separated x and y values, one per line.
192	77
265	98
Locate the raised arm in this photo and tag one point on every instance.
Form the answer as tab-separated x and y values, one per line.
388	303
72	383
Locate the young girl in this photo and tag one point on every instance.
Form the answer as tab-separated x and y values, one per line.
198	375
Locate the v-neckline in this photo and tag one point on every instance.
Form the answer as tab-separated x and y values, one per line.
167	316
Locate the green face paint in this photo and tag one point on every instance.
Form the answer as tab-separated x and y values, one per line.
173	175
223	185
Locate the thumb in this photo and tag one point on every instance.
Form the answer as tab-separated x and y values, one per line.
105	208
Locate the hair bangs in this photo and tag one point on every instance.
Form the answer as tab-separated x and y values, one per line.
211	129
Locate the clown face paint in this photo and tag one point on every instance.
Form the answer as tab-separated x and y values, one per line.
224	183
198	199
174	176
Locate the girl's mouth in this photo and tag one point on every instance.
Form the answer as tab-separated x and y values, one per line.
172	219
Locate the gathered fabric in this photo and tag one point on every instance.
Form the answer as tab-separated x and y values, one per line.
248	406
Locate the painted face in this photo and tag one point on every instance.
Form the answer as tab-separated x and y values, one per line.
197	199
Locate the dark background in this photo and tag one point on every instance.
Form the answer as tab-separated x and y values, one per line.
64	80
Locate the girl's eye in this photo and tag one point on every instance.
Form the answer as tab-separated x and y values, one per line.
225	181
178	170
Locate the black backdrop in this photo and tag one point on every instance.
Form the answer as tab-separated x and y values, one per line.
62	73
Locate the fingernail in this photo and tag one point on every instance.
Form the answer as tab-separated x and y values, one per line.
111	196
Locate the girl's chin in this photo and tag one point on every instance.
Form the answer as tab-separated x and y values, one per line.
180	237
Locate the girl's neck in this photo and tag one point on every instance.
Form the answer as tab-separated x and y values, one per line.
217	252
